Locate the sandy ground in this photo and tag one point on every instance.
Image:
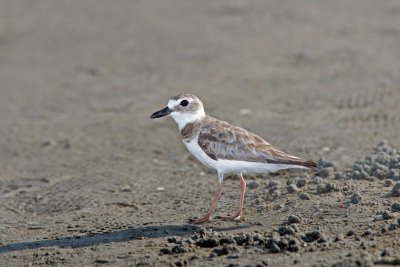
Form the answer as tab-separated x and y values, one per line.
87	179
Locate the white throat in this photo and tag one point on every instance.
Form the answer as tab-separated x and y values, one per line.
183	118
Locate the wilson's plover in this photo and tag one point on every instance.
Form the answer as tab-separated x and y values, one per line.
225	148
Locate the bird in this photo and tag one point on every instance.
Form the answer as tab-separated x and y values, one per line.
226	148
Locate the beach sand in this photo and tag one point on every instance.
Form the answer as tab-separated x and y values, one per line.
87	179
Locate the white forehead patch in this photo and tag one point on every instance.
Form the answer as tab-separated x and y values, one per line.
172	103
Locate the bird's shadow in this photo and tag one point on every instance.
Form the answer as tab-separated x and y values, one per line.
136	233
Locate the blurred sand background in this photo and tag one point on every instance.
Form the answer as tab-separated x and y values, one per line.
79	79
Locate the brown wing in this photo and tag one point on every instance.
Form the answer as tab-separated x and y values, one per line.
220	140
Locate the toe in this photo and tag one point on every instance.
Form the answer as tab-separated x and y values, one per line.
196	220
234	217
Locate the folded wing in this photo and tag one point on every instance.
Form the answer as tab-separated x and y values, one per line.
219	140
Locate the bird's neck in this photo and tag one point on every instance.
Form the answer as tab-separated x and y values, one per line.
182	119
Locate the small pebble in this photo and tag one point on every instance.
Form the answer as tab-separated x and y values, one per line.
338	176
178	249
292	188
337	239
271	190
160	189
367	232
207	243
355	198
294	245
225	250
276	193
350	233
65	143
274	248
286	230
395	207
126	188
304	196
388	183
294	219
48	143
278	206
273	183
165	251
253	184
326	188
171	240
227	240
314	236
301	182
179	264
396	190
325	164
316	180
386	215
326	172
101	261
242	239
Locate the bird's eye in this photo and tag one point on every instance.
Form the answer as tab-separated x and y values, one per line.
184	103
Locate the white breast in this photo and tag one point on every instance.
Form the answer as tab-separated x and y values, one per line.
195	149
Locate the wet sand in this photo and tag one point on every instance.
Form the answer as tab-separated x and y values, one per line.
86	178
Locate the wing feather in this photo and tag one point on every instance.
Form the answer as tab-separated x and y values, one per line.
220	140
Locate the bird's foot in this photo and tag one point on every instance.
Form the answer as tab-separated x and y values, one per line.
232	217
205	218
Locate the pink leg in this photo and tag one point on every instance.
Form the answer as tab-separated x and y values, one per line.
213	205
237	215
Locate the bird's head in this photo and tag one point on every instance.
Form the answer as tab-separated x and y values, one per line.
183	108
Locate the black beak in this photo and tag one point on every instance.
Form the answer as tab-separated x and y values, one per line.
161	113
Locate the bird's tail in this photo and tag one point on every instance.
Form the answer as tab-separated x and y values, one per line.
280	157
309	164
312	165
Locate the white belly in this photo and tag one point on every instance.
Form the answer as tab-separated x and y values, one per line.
233	166
238	166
